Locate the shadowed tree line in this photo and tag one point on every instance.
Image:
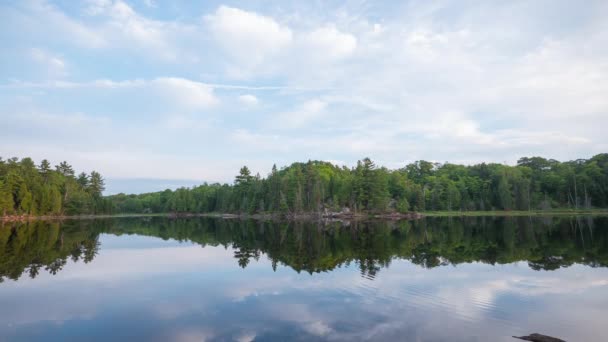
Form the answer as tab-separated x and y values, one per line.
545	243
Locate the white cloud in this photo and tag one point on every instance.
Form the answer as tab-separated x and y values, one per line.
45	21
261	45
301	116
53	64
247	139
57	120
186	93
329	43
185	122
112	25
249	38
248	100
246	337
129	29
150	3
317	328
192	335
181	92
96	7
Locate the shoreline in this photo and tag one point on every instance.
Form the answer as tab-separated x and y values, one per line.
263	216
539	213
318	216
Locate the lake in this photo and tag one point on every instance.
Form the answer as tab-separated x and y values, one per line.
204	279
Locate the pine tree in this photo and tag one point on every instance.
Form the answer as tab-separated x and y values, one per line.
96	184
45	170
83	180
274	188
65	169
244	176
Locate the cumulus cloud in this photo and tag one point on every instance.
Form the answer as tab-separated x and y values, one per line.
186	93
328	42
129	29
248	37
248	100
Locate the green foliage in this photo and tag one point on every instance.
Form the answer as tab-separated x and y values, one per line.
315	186
534	184
402	205
29	190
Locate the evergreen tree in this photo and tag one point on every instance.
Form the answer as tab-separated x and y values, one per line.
65	169
96	184
45	169
83	180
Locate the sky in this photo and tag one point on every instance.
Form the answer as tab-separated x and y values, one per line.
151	93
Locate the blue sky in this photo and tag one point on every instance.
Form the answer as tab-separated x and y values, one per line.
179	92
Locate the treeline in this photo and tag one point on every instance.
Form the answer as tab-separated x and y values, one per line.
533	184
30	189
544	243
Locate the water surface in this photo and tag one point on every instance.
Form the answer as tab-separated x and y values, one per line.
469	279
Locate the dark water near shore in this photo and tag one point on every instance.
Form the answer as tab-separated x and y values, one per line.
202	279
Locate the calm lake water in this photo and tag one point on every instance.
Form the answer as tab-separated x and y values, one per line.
200	279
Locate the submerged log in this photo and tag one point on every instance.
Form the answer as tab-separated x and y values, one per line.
539	338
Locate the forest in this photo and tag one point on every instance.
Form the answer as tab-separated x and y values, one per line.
41	190
535	183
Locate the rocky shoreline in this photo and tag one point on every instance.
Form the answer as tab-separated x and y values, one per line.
309	216
345	215
25	218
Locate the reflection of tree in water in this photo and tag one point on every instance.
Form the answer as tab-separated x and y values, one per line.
544	243
35	246
55	266
244	254
424	255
